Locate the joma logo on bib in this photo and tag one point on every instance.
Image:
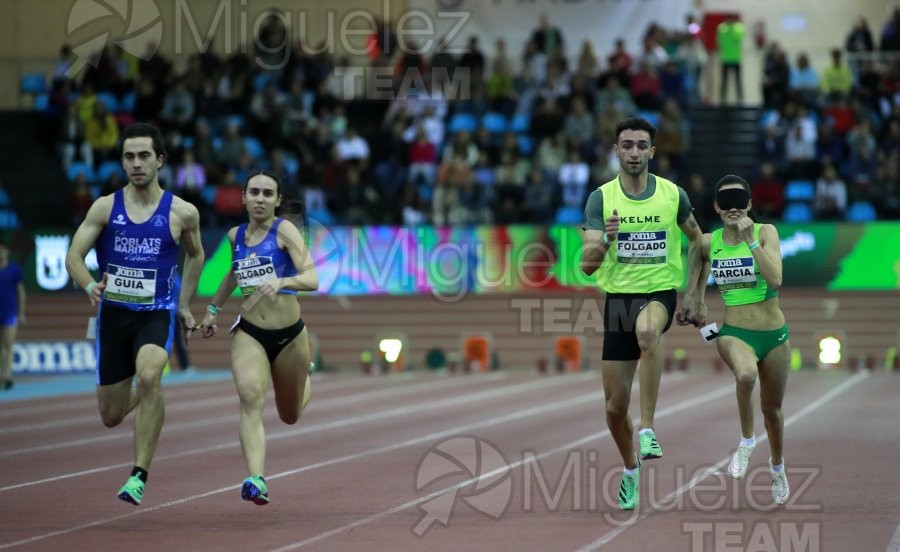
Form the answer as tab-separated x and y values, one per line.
130	285
642	248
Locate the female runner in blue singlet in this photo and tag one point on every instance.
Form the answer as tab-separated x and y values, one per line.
271	263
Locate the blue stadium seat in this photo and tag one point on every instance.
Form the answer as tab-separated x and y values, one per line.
651	116
8	220
321	216
462	122
42	102
495	123
798	212
187	142
4	198
291	165
108	168
520	123
128	103
569	215
109	100
799	190
861	211
217	143
34	83
526	144
79	167
254	147
209	195
261	80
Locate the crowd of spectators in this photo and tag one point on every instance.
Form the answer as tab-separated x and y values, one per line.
467	138
836	127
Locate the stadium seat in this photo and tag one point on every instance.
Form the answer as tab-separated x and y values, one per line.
108	168
651	116
799	190
79	167
262	80
42	102
187	142
128	103
569	215
861	211
798	212
4	198
209	195
495	123
321	216
521	123
460	122
291	165
8	220
526	144
254	147
109	100
34	83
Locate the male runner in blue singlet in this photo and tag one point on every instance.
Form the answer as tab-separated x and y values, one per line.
137	231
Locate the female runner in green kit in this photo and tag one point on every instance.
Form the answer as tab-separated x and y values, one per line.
745	260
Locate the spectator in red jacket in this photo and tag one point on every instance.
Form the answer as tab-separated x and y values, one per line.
767	192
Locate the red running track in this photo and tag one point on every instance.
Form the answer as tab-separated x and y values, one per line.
345	477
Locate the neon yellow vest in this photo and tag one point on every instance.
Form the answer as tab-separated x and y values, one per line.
736	273
646	257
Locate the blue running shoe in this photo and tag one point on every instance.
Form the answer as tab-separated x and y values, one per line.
255	490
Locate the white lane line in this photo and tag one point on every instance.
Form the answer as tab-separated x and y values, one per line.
192	425
231	398
514	416
484	395
894	545
811	407
712	395
182	391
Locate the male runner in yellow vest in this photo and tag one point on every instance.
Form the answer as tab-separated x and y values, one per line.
633	227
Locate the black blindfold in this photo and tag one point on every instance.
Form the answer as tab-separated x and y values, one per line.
733	198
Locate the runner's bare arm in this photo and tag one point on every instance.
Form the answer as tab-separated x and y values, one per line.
85	238
307	278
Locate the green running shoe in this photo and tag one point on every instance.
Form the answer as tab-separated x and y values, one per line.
628	489
649	445
132	491
255	490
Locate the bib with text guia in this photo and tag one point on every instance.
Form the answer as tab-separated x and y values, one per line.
130	285
642	247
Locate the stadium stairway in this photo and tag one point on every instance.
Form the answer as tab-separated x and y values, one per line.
724	140
345	327
31	172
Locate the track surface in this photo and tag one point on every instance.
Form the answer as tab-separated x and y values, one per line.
382	463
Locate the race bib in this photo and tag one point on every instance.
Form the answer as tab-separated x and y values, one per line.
130	285
252	272
642	247
734	273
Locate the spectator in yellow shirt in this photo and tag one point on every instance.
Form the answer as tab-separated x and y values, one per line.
837	78
102	132
730	42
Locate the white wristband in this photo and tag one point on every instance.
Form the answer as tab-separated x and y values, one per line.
90	287
606	241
